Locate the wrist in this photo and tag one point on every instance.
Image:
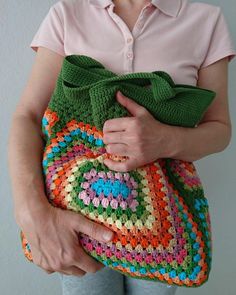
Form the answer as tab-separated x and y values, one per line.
172	141
31	210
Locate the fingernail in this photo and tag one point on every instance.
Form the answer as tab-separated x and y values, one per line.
107	235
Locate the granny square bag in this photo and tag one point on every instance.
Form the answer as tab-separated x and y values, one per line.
158	212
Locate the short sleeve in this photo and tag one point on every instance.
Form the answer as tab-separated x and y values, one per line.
50	33
221	44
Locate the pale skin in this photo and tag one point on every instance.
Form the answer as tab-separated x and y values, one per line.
141	138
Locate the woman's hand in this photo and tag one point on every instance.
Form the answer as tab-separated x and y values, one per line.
141	138
53	236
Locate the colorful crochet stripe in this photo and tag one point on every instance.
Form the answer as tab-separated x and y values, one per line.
159	212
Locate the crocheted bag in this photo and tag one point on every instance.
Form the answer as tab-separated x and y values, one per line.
158	212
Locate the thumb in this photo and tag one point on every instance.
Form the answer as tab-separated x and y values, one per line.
91	228
134	108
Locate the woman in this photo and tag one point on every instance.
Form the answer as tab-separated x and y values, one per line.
190	41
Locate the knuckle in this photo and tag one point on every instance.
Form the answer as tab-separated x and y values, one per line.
64	257
104	128
106	125
94	229
62	253
66	261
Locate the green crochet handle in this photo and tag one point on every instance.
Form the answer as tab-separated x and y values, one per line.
84	78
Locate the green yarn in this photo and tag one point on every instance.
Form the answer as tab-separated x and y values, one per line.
87	90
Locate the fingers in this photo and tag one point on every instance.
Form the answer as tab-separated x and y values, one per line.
118	149
97	231
113	137
79	264
117	124
124	166
85	262
133	107
69	257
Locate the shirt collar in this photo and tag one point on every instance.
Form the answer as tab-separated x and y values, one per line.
169	7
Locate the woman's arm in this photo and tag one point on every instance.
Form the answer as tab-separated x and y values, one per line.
45	227
144	139
25	139
213	133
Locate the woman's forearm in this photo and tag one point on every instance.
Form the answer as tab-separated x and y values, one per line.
191	144
25	148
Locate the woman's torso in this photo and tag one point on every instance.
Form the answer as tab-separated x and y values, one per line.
171	36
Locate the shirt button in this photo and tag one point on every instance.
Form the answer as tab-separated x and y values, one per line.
130	55
139	25
129	40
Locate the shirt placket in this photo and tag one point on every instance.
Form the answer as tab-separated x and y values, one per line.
129	37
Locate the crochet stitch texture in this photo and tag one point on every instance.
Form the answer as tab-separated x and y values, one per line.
159	211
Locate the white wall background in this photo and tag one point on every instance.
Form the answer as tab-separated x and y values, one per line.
19	21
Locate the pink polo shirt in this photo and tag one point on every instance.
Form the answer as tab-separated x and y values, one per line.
175	36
